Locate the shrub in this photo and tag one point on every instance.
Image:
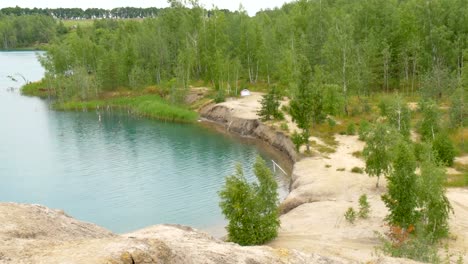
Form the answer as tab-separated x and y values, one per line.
220	96
357	170
364	207
430	124
331	122
270	106
444	149
297	139
350	215
403	244
351	129
251	208
384	106
364	128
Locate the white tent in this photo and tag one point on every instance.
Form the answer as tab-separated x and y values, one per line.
245	92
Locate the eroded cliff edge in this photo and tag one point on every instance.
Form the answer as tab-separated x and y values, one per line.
242	119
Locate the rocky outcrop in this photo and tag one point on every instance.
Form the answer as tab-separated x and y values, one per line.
37	234
249	126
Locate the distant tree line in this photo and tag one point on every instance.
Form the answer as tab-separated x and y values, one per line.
347	47
78	13
24	31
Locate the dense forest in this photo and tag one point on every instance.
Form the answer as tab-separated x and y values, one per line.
360	46
26	31
78	13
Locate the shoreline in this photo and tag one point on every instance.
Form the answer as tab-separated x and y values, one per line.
322	188
320	191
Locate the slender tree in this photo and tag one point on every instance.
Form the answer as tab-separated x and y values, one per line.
378	151
251	208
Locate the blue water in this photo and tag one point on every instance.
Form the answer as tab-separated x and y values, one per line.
122	173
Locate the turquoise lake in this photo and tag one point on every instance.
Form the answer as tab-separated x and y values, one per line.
122	173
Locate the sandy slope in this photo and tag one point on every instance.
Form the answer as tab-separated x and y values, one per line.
321	193
324	194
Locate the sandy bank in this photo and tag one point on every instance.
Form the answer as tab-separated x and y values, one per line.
323	188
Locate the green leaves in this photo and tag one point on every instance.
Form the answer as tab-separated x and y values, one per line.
379	150
252	209
270	104
401	198
435	207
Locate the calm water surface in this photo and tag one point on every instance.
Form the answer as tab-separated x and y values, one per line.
122	173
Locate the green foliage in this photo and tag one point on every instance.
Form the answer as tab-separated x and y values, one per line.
378	151
350	215
364	207
270	105
306	107
333	100
434	205
227	49
444	149
399	116
38	88
458	111
251	208
357	170
416	247
138	78
429	126
384	106
364	129
26	31
298	140
151	106
350	129
401	198
419	208
220	96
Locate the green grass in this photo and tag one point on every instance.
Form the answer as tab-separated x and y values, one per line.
151	106
36	89
81	23
357	170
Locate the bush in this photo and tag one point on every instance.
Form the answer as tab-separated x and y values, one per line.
357	170
298	140
384	106
350	215
270	106
351	129
364	128
444	149
331	122
220	96
402	244
364	207
251	208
